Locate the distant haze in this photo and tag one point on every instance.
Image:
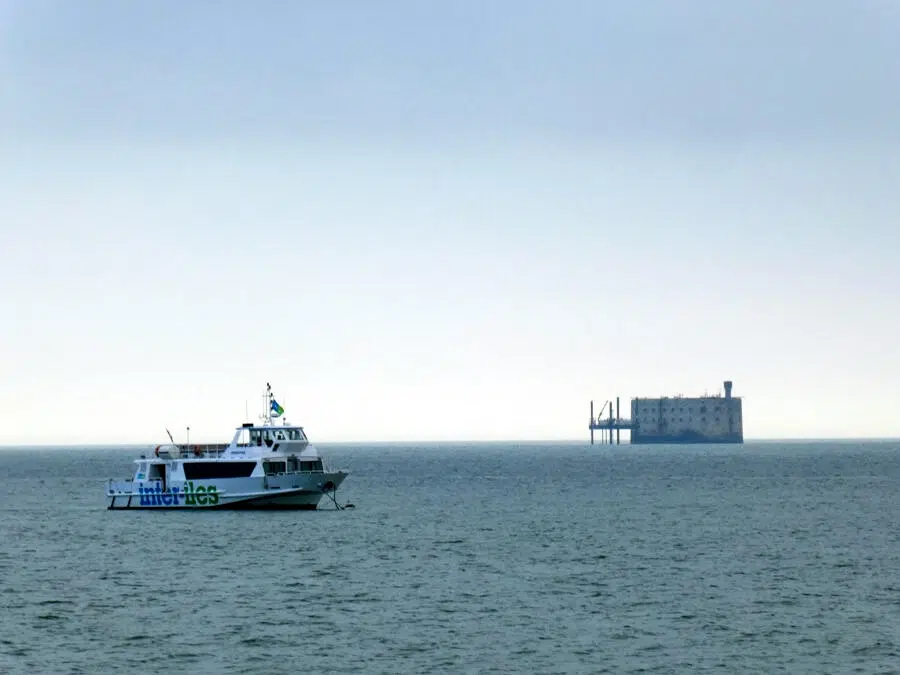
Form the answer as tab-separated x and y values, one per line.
459	220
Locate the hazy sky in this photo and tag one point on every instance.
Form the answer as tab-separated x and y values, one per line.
456	220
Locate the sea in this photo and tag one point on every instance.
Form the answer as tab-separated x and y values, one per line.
767	557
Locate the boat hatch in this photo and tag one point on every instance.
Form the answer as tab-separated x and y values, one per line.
157	472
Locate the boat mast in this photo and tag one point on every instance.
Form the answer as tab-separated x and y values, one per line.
267	406
268	401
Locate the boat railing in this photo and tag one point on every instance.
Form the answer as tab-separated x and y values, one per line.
203	449
294	473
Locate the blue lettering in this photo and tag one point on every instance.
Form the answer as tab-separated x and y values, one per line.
155	496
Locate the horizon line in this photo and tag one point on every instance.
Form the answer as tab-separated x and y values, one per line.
565	441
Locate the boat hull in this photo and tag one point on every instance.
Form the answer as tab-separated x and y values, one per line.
273	495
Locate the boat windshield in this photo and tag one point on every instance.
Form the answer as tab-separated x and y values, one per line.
260	436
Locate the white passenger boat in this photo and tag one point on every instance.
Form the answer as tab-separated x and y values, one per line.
266	466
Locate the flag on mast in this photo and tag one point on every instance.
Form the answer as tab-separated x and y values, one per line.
277	410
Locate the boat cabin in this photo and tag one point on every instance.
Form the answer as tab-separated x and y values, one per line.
250	435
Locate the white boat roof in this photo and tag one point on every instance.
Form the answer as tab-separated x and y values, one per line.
251	440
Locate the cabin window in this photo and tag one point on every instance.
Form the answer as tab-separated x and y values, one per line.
295	435
272	468
204	470
315	465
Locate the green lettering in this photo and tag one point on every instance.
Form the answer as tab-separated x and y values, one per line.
201	495
213	493
189	494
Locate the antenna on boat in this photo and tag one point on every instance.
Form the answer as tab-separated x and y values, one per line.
268	397
170	435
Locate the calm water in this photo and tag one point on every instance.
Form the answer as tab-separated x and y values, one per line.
468	559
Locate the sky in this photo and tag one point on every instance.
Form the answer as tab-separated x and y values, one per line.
446	221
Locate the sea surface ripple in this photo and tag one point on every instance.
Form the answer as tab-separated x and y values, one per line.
468	558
